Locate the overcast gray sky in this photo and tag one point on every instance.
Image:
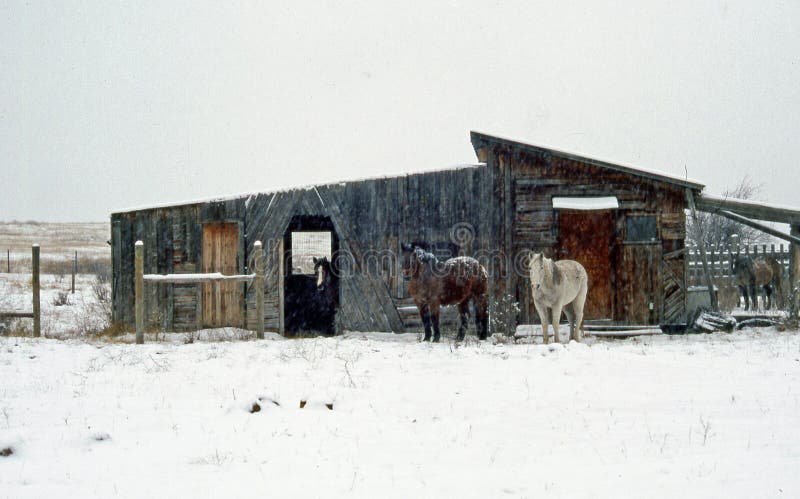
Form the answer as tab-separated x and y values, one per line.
107	105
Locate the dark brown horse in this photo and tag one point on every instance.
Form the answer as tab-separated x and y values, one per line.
763	271
455	281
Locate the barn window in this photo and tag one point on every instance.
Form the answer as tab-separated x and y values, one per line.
305	246
641	229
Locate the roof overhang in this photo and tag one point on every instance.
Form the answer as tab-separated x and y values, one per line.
479	139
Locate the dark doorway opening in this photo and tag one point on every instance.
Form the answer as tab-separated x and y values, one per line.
307	308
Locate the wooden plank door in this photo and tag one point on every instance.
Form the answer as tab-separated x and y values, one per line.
638	301
586	237
221	301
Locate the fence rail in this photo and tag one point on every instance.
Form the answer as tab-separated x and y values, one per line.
140	278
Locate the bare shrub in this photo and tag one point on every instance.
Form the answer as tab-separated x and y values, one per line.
716	230
503	315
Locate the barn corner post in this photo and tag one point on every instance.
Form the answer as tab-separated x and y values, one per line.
37	323
258	288
138	290
794	271
701	246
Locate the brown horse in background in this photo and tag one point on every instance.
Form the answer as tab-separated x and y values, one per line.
455	281
764	272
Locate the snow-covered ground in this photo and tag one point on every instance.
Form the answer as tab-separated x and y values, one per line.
661	416
63	313
653	416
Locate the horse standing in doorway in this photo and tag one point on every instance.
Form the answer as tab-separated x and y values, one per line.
764	272
327	300
558	286
434	283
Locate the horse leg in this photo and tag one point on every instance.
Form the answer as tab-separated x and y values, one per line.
767	297
435	321
570	317
542	310
753	296
463	319
425	315
577	308
743	292
556	320
481	303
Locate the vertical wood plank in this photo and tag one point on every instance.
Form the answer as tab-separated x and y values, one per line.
258	262
281	291
794	272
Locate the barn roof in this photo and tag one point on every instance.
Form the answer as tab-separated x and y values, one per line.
246	195
479	139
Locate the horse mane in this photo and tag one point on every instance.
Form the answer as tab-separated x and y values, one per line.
555	272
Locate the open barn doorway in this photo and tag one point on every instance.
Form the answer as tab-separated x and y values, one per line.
308	308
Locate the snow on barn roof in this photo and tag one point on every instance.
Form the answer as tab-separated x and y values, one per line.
233	197
641	172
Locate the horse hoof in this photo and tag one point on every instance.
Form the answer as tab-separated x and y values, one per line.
436	339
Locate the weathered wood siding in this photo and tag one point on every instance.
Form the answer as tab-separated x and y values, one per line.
172	239
647	280
372	219
496	212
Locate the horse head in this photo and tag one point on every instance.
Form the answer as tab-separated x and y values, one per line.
538	268
322	269
414	258
741	265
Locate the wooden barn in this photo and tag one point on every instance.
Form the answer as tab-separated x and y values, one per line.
627	226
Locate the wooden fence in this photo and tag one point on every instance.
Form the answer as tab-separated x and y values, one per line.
140	278
719	261
35	301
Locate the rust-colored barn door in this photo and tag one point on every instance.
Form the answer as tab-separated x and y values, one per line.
586	236
222	301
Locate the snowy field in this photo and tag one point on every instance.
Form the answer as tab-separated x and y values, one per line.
58	240
663	416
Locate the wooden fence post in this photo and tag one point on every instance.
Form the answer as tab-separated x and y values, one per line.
138	291
74	271
258	288
37	323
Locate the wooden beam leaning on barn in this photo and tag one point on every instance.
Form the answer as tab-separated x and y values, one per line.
763	228
703	259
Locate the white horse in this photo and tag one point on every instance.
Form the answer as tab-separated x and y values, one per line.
558	286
